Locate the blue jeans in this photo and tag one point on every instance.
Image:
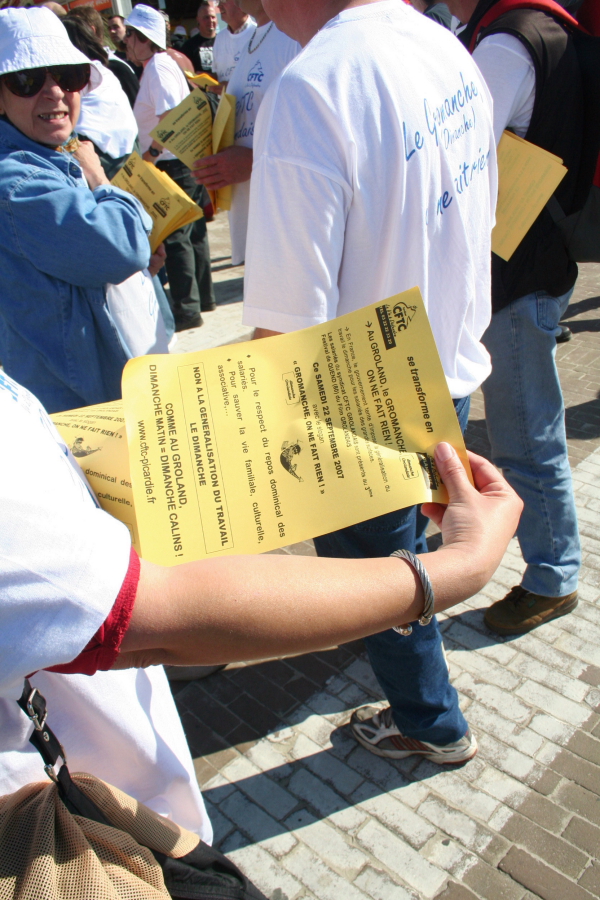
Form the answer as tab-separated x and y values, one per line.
526	425
411	670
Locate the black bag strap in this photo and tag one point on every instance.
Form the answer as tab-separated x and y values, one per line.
203	874
51	750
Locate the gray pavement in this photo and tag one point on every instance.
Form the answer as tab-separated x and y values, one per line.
309	814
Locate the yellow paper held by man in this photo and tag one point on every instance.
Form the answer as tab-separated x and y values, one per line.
249	447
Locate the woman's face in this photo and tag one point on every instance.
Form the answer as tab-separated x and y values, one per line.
48	117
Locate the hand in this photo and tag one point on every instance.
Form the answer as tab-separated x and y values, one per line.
477	522
157	260
89	161
231	166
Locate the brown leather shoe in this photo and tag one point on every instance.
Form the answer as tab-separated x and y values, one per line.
521	611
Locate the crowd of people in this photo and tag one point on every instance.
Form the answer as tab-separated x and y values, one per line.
363	164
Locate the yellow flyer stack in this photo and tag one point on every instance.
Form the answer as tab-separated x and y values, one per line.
165	202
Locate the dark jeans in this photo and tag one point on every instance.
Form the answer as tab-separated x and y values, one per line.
411	670
188	254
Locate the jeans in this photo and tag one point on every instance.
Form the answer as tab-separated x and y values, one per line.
188	254
411	670
526	425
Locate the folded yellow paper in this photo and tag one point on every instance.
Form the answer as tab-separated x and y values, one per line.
223	137
527	178
165	202
97	438
187	130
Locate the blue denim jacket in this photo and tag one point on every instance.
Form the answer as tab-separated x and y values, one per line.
60	243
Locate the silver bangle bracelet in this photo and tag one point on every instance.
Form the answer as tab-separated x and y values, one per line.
427	614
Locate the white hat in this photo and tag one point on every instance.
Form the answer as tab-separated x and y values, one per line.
32	38
180	29
149	22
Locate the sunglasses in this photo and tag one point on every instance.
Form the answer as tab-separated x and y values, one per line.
131	32
29	82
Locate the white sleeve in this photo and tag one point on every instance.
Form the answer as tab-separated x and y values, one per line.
509	73
166	87
62	560
294	246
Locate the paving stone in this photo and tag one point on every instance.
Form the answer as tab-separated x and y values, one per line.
257	824
584	835
306	866
380	886
579	800
387	776
402	820
522	739
447	854
551	702
572	688
491	884
401	859
578	770
560	854
454	891
267	873
467	831
590	880
585	746
452	787
260	788
494	698
328	843
540	878
306	786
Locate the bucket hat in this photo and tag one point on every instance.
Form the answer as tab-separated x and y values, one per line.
32	38
150	23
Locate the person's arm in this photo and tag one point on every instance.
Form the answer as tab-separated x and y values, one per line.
509	74
231	166
254	607
84	237
155	146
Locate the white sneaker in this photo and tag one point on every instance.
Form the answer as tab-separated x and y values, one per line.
376	730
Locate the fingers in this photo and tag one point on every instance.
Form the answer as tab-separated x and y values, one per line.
452	472
486	476
434	511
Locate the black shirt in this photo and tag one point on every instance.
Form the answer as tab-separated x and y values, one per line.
200	51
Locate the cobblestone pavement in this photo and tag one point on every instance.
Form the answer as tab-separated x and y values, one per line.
307	813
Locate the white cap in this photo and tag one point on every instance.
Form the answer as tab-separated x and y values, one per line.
149	22
180	29
32	38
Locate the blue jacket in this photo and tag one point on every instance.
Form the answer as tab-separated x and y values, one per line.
60	243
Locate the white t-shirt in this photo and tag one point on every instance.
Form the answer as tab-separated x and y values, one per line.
253	74
227	48
62	564
106	117
510	76
375	171
162	87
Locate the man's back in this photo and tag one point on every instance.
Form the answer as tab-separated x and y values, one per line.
374	172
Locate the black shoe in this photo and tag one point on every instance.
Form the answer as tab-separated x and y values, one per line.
208	306
184	324
565	335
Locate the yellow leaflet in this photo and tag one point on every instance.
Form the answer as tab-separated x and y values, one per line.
527	178
201	79
187	130
249	447
223	136
165	202
97	438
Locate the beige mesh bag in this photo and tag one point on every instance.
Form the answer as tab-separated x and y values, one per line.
46	853
78	838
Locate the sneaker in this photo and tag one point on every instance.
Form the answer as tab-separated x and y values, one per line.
376	730
564	335
521	611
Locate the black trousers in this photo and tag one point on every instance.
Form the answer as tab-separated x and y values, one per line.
188	254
